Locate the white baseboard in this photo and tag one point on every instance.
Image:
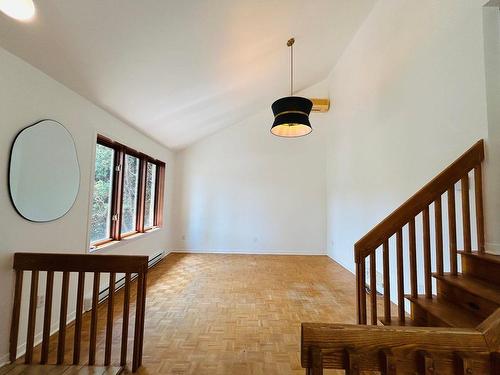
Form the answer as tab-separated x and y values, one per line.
4	360
345	266
249	252
493	248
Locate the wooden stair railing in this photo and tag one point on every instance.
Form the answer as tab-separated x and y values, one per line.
80	264
402	350
406	216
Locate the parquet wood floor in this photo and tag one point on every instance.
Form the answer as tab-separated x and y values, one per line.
231	314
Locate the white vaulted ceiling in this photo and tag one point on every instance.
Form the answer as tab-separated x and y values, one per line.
181	70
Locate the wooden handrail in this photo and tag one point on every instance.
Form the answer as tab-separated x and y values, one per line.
369	342
419	201
81	264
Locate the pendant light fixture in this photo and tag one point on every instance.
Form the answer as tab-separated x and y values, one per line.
291	113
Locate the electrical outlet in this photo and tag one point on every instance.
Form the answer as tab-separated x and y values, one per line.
40	301
184	237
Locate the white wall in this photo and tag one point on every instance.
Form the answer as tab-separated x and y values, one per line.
409	94
492	178
244	190
26	96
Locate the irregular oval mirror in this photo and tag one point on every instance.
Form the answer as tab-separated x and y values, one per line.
44	175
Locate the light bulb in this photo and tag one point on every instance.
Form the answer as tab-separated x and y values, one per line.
22	10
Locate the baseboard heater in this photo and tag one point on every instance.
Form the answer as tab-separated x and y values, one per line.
120	283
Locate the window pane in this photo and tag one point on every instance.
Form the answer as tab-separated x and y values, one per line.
101	205
149	207
130	184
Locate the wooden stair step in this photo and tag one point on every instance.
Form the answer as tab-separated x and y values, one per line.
476	295
472	285
395	321
485	256
449	314
482	266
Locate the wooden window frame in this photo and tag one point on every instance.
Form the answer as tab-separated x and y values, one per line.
120	151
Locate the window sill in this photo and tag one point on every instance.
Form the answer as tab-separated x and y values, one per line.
112	244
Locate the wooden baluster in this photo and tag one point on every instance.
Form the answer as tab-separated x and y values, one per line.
47	317
143	315
401	288
93	318
317	361
126	309
353	362
466	213
413	257
427	252
138	314
387	284
495	363
389	362
470	363
61	341
16	310
361	291
30	338
78	318
438	223
478	189
452	230
373	287
109	323
426	363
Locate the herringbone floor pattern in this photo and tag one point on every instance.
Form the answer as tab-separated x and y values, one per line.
230	314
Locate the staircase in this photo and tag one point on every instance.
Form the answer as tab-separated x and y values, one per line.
463	300
453	297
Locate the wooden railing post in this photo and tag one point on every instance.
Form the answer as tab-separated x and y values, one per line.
389	362
63	314
361	291
401	287
126	307
30	338
109	321
438	223
387	284
373	288
138	320
16	309
452	229
93	319
427	252
413	258
78	318
47	318
478	190
317	361
466	213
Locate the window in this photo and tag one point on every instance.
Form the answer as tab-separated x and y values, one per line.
100	228
128	193
149	204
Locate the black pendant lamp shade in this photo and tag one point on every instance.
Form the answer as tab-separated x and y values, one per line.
291	116
291	113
